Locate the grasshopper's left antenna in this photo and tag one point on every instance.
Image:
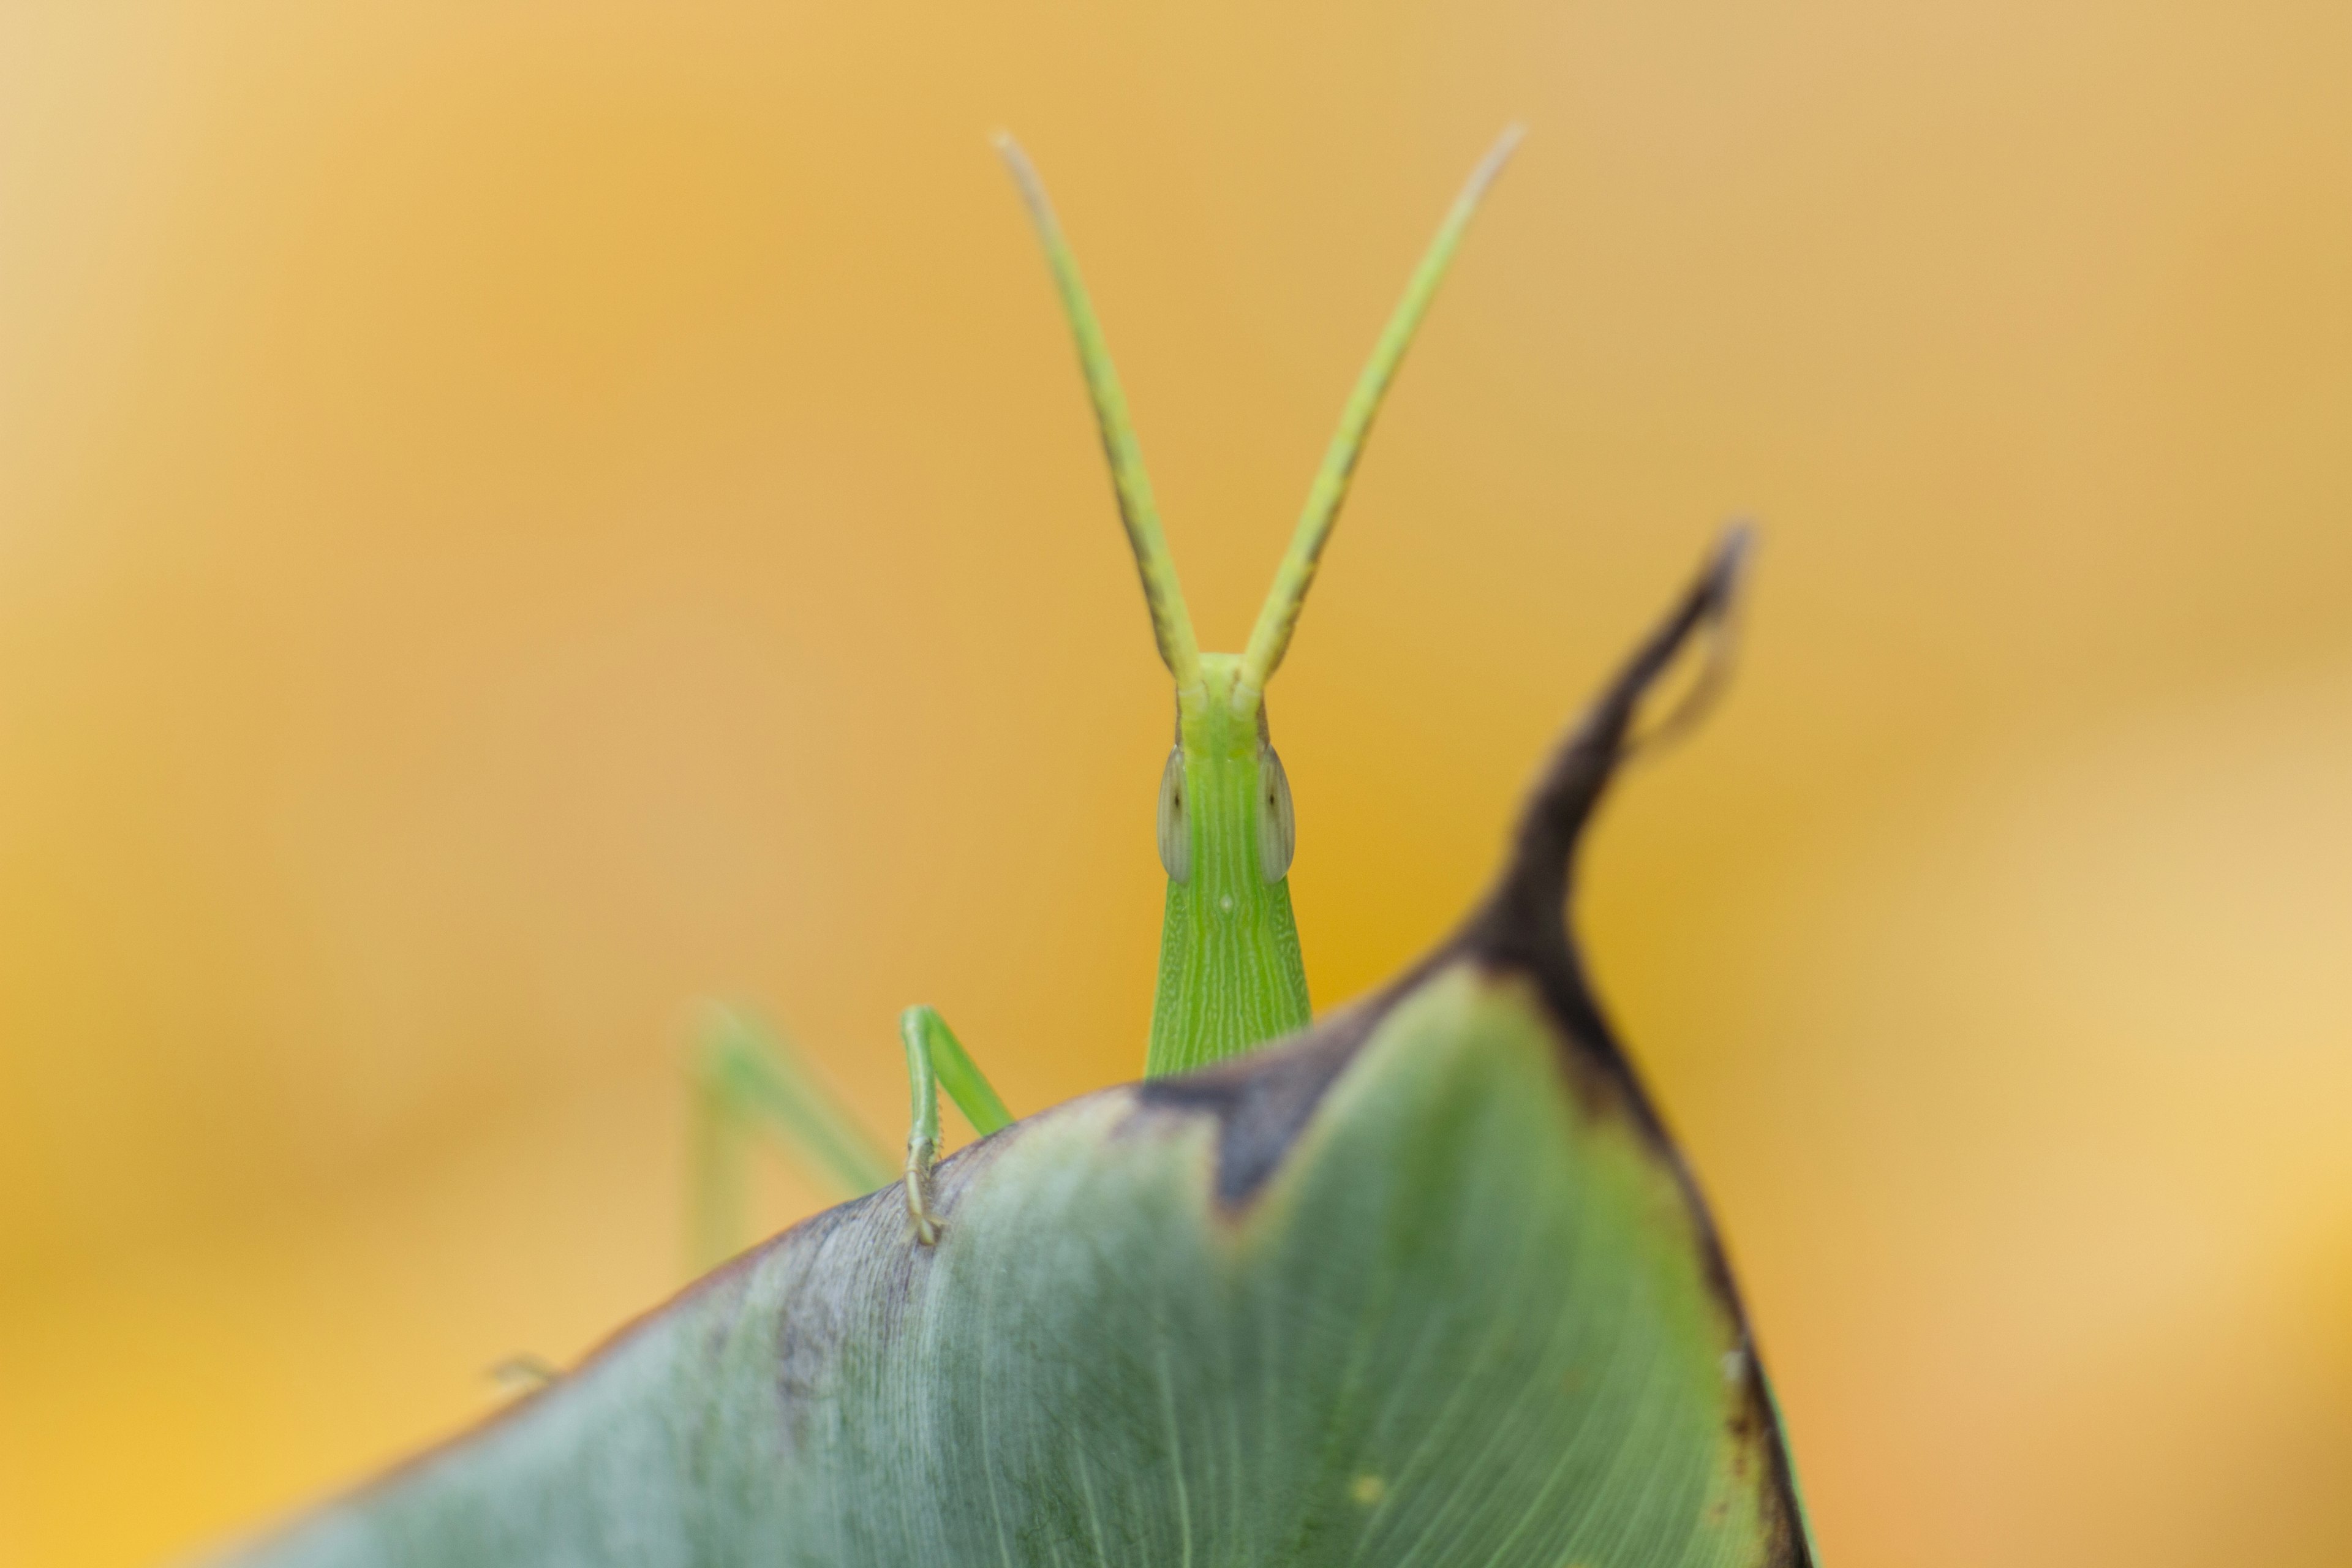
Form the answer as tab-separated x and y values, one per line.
1270	639
1172	624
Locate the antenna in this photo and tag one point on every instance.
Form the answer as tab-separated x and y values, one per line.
1270	639
1172	624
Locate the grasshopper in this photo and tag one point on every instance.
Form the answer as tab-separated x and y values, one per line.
1426	1281
1231	974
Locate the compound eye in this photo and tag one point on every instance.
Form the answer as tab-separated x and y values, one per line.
1277	834
1175	826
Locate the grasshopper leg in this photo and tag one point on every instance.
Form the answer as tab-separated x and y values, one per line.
936	1060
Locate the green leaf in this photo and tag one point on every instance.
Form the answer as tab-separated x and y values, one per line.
1425	1285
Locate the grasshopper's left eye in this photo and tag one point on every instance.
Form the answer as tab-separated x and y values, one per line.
1278	835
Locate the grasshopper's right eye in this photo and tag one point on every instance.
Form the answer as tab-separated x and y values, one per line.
1175	827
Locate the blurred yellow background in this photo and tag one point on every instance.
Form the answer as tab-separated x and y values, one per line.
516	516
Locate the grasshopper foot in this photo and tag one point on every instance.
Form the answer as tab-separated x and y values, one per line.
921	1222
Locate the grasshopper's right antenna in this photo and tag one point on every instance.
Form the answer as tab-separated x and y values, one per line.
1172	624
1270	638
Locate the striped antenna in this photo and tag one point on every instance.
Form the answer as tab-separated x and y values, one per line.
1270	639
1172	624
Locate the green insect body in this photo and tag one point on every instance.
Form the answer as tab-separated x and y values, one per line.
1231	974
1424	1283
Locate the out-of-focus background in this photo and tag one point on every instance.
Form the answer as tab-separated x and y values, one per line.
516	516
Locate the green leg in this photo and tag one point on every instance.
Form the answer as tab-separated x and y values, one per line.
747	1081
936	1060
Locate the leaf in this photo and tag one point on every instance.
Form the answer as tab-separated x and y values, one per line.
1428	1284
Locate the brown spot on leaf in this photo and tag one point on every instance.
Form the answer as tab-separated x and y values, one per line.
1261	1101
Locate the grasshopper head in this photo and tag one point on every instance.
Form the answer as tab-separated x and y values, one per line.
1224	803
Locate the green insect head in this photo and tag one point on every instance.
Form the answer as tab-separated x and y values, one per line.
1229	973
